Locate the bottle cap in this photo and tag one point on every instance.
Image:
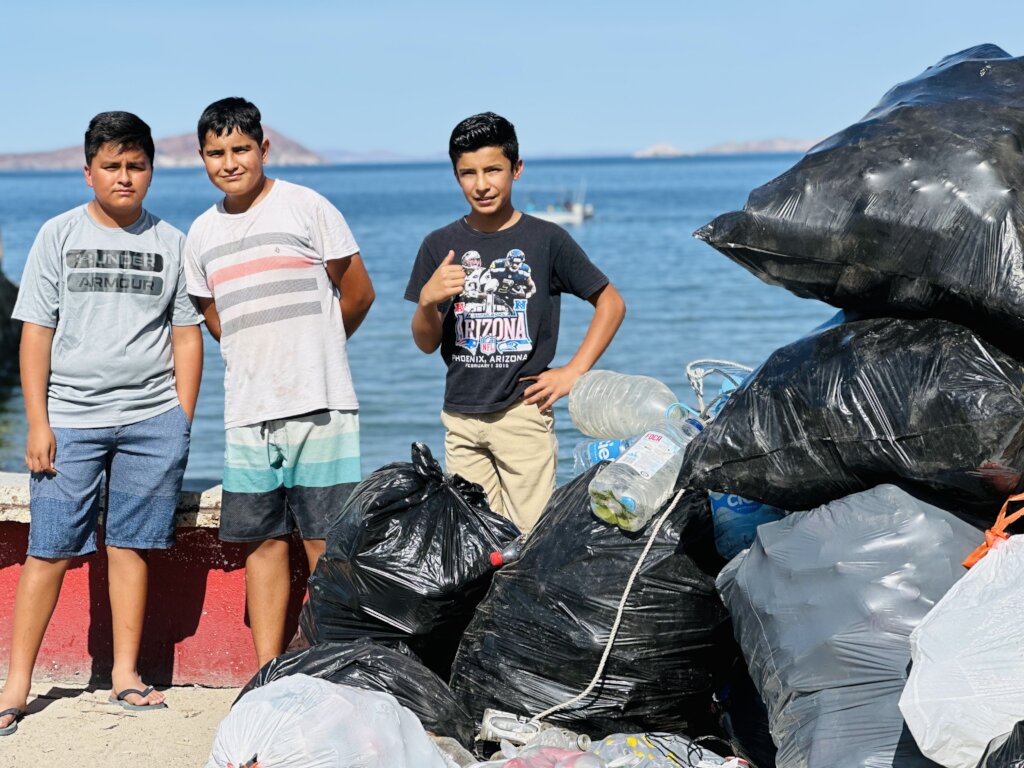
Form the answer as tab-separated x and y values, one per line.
497	560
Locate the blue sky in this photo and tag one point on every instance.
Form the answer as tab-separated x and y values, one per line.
575	77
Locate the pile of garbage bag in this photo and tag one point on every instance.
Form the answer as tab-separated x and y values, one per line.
911	221
537	639
842	474
914	209
923	403
407	561
374	667
823	605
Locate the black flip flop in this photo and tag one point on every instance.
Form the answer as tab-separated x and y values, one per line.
120	699
18	714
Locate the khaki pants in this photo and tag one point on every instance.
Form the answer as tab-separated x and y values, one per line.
512	454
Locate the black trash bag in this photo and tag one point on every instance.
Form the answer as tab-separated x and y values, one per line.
916	209
921	403
823	604
743	718
374	667
1006	751
537	638
407	560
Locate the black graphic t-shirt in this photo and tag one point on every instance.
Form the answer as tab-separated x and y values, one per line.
504	324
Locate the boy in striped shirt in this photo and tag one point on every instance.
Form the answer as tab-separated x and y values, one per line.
278	276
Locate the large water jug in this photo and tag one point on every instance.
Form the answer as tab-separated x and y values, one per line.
613	406
629	491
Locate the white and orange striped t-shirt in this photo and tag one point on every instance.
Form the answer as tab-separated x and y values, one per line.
282	337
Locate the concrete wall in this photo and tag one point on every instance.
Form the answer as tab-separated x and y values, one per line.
196	630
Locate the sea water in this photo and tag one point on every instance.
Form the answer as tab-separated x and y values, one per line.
684	300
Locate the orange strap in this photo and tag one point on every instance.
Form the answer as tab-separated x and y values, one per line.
997	531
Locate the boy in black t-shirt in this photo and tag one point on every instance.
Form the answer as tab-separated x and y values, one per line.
487	289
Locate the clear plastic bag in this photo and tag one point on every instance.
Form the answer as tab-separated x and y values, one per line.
303	722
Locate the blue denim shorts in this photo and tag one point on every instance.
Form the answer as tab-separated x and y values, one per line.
143	463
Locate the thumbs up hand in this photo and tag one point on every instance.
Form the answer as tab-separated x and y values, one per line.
447	281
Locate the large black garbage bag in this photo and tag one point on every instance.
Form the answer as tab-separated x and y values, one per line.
922	403
823	604
1006	751
407	560
374	667
537	638
915	209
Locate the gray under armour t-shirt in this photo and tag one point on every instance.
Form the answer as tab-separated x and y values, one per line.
112	296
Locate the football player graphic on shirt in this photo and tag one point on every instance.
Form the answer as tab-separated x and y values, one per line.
479	288
513	277
491	312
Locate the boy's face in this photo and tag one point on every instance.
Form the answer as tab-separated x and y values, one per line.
120	178
234	162
486	177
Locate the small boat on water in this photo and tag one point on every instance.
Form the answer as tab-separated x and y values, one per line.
571	211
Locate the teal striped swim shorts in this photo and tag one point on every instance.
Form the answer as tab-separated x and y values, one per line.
288	473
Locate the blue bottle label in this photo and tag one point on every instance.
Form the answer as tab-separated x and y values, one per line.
604	450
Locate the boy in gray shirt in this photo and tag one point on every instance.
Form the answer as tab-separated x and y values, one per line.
111	357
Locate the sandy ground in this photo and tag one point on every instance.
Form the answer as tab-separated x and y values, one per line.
73	725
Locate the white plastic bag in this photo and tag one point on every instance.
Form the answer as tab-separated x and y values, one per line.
966	685
304	722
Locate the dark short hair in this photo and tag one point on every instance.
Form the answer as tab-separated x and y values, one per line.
484	130
224	116
122	129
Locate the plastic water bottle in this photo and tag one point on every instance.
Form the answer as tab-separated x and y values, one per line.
614	406
512	552
562	738
629	491
587	453
736	520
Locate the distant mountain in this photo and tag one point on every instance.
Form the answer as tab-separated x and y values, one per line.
763	147
171	152
660	150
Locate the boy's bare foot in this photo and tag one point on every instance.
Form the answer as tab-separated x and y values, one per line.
126	681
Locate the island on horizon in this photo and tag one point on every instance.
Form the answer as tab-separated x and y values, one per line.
180	152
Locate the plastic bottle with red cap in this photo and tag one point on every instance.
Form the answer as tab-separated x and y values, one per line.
509	554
